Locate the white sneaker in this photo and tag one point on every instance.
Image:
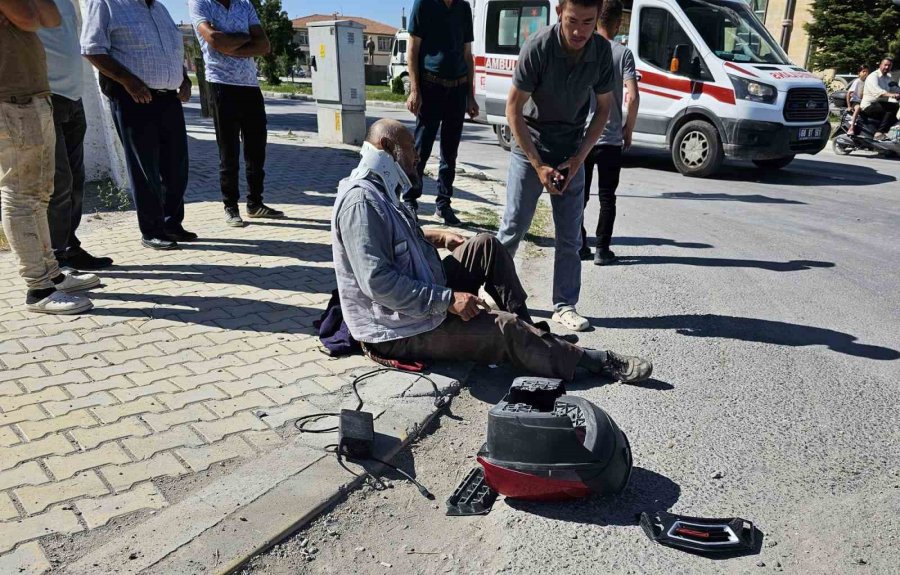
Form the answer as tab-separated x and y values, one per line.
76	281
569	318
60	303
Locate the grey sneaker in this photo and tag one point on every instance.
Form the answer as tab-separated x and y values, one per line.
233	218
61	303
263	211
627	368
76	281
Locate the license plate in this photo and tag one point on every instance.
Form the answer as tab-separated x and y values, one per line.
809	133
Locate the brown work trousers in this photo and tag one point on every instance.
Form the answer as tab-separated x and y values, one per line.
490	337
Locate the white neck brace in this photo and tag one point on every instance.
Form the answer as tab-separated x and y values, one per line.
382	165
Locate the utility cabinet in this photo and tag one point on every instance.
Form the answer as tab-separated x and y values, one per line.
337	58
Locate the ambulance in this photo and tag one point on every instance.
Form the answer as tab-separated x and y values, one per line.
714	84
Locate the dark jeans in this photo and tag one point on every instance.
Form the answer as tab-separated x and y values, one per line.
239	113
64	211
608	161
444	109
884	112
155	142
490	337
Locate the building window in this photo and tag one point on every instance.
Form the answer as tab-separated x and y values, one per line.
303	37
759	8
510	25
384	43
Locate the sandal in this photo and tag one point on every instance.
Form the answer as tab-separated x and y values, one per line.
569	318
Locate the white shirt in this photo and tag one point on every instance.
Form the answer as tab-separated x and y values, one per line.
877	85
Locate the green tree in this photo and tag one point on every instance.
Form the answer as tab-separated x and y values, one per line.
278	28
845	34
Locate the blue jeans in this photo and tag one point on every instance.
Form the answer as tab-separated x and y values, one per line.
444	109
523	189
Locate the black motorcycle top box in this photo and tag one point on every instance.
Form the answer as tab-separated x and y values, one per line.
544	444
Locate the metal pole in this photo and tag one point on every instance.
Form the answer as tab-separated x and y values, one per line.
787	24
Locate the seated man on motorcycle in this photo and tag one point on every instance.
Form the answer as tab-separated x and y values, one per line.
879	98
854	96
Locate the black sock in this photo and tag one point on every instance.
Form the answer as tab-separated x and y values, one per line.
593	360
36	295
59	279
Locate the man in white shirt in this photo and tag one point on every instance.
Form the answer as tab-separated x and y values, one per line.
878	86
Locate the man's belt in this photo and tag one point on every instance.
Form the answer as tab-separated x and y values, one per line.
433	79
24	100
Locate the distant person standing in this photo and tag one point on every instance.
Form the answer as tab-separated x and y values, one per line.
64	69
606	156
140	55
230	36
442	91
27	146
561	68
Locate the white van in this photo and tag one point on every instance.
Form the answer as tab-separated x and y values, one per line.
713	81
398	66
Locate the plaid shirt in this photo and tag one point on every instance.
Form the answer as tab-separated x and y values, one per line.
142	38
236	19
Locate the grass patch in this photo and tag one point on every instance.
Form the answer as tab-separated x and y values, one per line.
383	94
4	245
110	197
485	219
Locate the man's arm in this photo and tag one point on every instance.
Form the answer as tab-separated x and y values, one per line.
631	110
593	133
414	101
472	107
221	41
111	68
443	239
515	104
30	15
257	46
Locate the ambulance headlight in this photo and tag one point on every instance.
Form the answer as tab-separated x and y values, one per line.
753	91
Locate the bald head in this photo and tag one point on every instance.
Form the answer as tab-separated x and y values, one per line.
393	137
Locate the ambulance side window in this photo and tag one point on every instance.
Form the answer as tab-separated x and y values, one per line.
664	44
510	24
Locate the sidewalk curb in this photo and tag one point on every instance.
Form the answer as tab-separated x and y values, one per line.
221	527
309	98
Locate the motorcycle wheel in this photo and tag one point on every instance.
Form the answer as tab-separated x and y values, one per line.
840	149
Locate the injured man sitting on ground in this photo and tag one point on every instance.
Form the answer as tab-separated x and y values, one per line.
404	303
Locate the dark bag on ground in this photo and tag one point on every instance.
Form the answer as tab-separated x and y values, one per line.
333	331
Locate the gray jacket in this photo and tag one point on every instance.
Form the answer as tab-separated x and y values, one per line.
390	278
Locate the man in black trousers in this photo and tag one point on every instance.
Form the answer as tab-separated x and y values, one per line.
140	55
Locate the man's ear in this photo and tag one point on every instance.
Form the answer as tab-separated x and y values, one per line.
387	145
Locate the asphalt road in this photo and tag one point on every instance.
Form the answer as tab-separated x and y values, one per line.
769	304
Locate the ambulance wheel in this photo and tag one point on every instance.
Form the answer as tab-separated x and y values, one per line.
697	150
504	136
774	164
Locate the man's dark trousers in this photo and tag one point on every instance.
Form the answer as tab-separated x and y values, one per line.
442	109
155	141
64	211
608	161
884	112
239	113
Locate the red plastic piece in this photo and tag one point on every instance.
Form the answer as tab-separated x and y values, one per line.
519	485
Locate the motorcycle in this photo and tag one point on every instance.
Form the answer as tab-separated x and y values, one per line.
863	137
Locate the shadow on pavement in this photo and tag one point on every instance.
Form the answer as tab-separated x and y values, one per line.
789	266
299	278
750	198
310	252
751	329
626	241
646	491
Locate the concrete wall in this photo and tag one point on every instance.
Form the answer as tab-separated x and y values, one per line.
103	153
798	48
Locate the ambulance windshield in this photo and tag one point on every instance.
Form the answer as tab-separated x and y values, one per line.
733	32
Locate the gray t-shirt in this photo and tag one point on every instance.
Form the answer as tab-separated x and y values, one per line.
561	91
623	69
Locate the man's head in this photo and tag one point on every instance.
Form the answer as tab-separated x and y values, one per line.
610	18
396	140
577	20
863	72
886	66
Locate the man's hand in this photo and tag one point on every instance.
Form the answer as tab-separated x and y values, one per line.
453	241
467	306
627	136
570	167
139	91
184	91
414	102
547	174
472	108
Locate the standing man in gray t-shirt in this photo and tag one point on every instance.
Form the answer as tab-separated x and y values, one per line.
561	68
616	138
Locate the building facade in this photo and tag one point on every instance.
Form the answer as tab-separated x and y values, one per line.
786	20
382	35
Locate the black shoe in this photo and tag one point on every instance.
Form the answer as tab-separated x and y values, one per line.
604	257
159	244
82	260
263	211
447	214
627	368
585	253
181	235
